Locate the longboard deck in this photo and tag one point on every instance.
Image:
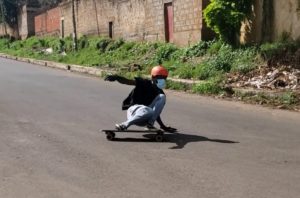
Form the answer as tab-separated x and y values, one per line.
133	131
110	133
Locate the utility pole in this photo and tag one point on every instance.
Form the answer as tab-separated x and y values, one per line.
74	26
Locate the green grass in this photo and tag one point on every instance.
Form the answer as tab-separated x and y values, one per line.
211	86
215	56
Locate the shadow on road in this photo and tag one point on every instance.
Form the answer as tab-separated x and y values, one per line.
180	139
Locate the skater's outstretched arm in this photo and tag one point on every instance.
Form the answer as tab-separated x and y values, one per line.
120	79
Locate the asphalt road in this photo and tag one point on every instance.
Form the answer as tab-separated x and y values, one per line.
50	144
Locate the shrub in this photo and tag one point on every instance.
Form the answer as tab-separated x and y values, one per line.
55	43
223	60
244	60
289	98
128	46
103	43
207	87
185	71
198	49
83	42
270	50
33	43
205	71
115	44
164	53
67	44
215	46
16	45
4	43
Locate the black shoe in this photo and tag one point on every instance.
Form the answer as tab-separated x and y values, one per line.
121	127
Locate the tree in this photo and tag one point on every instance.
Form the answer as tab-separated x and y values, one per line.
48	3
225	17
9	10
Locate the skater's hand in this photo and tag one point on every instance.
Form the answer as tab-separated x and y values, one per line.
169	129
111	78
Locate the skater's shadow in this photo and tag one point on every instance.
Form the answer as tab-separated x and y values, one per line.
179	139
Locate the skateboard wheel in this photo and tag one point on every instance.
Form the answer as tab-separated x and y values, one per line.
110	136
158	138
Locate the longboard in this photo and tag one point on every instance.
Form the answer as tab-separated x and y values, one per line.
111	134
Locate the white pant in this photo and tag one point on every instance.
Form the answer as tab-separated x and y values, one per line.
141	115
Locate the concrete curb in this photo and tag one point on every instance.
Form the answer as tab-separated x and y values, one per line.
69	67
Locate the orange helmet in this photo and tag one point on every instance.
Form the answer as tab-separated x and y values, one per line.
159	71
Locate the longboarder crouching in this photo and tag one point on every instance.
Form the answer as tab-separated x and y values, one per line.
146	101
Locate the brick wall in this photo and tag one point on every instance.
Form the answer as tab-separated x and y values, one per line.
48	23
135	19
53	20
40	24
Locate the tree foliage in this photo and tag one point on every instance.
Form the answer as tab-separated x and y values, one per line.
48	3
9	10
225	17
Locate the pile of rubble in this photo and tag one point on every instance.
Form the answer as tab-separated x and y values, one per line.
271	78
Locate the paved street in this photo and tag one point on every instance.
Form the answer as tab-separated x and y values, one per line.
50	145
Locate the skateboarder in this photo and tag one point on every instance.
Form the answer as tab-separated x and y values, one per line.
146	101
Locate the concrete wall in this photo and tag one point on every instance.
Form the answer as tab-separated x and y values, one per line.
5	29
26	21
287	18
135	19
271	19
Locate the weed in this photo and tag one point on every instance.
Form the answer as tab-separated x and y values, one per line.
211	86
115	44
198	49
178	85
244	60
102	44
164	53
289	98
4	43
